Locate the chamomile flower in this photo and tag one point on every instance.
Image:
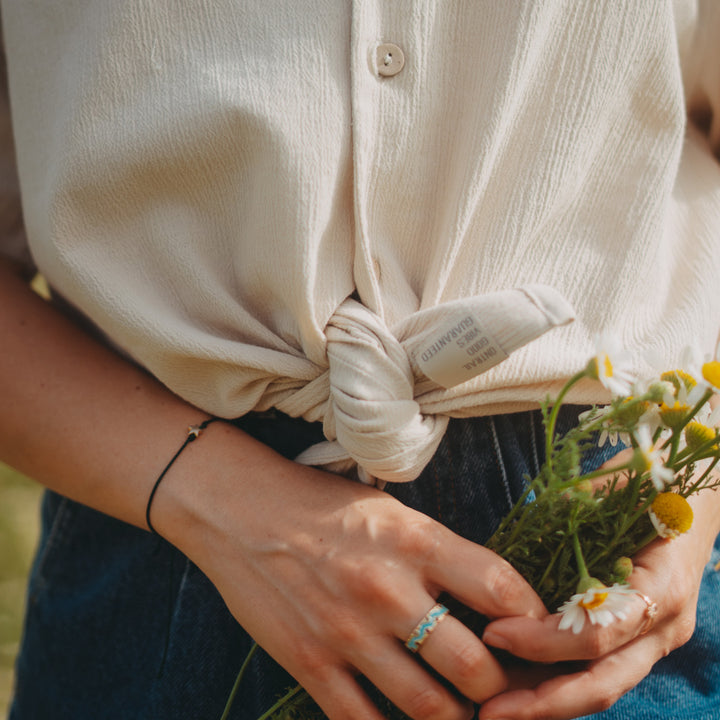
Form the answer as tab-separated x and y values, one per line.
684	387
673	415
697	436
670	514
711	373
683	390
611	366
649	458
608	431
600	605
705	370
681	382
653	393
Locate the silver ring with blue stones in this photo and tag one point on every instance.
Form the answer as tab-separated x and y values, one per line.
423	629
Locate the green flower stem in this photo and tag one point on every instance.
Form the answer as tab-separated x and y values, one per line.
675	442
627	524
582	568
552	421
517	508
656	437
640	511
686	456
285	698
675	437
238	680
550	566
705	398
603	471
698	484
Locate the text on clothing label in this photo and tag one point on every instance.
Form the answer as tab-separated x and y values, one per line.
458	352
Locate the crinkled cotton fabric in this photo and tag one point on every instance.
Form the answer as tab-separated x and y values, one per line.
211	183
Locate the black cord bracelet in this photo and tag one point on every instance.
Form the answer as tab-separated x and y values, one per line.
194	431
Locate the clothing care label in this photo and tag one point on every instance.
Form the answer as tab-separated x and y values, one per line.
458	351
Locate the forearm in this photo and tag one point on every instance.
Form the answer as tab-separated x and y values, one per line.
76	416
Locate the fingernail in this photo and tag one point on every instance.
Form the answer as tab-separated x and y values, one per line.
537	614
498	641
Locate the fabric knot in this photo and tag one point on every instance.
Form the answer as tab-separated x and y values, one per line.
377	376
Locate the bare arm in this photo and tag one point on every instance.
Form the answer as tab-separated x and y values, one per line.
76	417
329	576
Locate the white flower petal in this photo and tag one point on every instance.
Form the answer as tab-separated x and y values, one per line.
662	529
613	365
659	473
578	621
713	419
610	609
601	617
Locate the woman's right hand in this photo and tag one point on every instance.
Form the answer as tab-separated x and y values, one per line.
330	577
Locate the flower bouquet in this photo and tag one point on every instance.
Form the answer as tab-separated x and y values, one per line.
572	534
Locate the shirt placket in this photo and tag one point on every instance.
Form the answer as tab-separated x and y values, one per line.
381	72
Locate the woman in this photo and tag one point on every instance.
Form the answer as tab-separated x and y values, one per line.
271	212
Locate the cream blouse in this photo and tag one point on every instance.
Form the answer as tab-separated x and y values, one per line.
311	204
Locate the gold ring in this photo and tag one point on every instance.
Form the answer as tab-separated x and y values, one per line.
423	629
651	611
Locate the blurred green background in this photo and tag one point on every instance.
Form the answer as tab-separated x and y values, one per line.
19	499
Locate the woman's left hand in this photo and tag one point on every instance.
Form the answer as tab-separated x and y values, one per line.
620	655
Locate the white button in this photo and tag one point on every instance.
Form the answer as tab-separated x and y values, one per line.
389	59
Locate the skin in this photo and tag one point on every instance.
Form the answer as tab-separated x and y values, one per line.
327	575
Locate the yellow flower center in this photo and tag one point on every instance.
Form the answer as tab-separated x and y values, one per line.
608	366
673	415
631	410
711	372
697	435
673	511
676	377
594	602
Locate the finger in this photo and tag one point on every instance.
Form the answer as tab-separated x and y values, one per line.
542	640
592	689
455	652
482	580
339	696
459	655
405	682
616	460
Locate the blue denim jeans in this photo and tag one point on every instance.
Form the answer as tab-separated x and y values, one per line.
120	625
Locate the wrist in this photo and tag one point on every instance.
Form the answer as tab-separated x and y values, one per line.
211	485
193	433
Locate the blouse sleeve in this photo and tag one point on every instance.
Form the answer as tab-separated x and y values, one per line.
13	243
